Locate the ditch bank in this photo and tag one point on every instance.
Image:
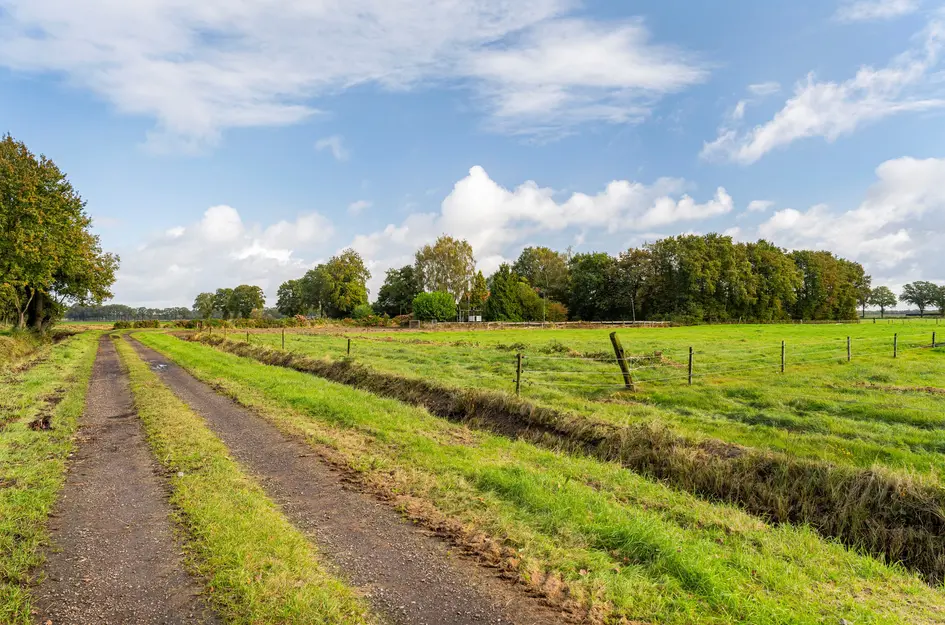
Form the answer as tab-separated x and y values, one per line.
892	517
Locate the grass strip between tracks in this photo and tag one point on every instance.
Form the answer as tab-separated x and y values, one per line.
259	568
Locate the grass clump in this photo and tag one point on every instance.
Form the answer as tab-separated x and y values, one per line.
33	461
571	527
888	515
259	568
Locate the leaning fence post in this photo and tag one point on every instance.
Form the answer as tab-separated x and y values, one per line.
849	350
895	345
621	360
518	373
690	366
782	356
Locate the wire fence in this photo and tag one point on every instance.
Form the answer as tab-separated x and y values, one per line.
596	372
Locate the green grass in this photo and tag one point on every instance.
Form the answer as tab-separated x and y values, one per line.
620	545
873	411
33	462
259	568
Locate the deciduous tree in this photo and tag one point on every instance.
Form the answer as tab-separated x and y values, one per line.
883	298
290	299
396	295
920	294
448	266
203	305
48	256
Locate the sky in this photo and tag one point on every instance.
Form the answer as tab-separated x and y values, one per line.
225	142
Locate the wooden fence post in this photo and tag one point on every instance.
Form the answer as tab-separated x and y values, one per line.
849	350
895	345
283	339
622	360
933	339
518	373
247	336
690	366
349	347
782	356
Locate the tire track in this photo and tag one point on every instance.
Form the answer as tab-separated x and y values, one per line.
409	576
114	557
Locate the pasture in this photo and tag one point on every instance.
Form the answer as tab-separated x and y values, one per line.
747	496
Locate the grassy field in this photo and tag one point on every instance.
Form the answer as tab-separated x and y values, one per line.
259	568
576	529
33	461
874	410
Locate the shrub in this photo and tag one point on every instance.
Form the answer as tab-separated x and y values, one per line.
401	320
436	306
556	312
362	311
147	323
121	325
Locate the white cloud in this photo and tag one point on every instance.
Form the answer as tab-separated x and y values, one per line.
496	220
199	68
220	250
895	231
358	207
830	109
868	10
571	71
336	145
762	89
759	206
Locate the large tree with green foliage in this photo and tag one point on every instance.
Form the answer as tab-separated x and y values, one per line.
882	297
435	306
920	294
48	255
503	303
593	286
448	266
203	305
396	295
290	299
546	270
337	287
940	300
245	299
222	303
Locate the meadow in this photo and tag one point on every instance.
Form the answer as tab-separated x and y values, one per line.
873	410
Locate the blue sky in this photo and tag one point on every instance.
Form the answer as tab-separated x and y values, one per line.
226	142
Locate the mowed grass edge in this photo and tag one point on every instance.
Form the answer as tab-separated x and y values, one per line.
573	528
33	462
258	568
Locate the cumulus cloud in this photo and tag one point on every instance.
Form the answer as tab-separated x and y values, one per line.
334	144
895	231
870	10
219	250
496	220
831	109
199	68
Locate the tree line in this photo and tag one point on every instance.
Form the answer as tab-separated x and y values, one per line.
690	278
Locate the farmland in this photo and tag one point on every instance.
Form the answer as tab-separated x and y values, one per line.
596	538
